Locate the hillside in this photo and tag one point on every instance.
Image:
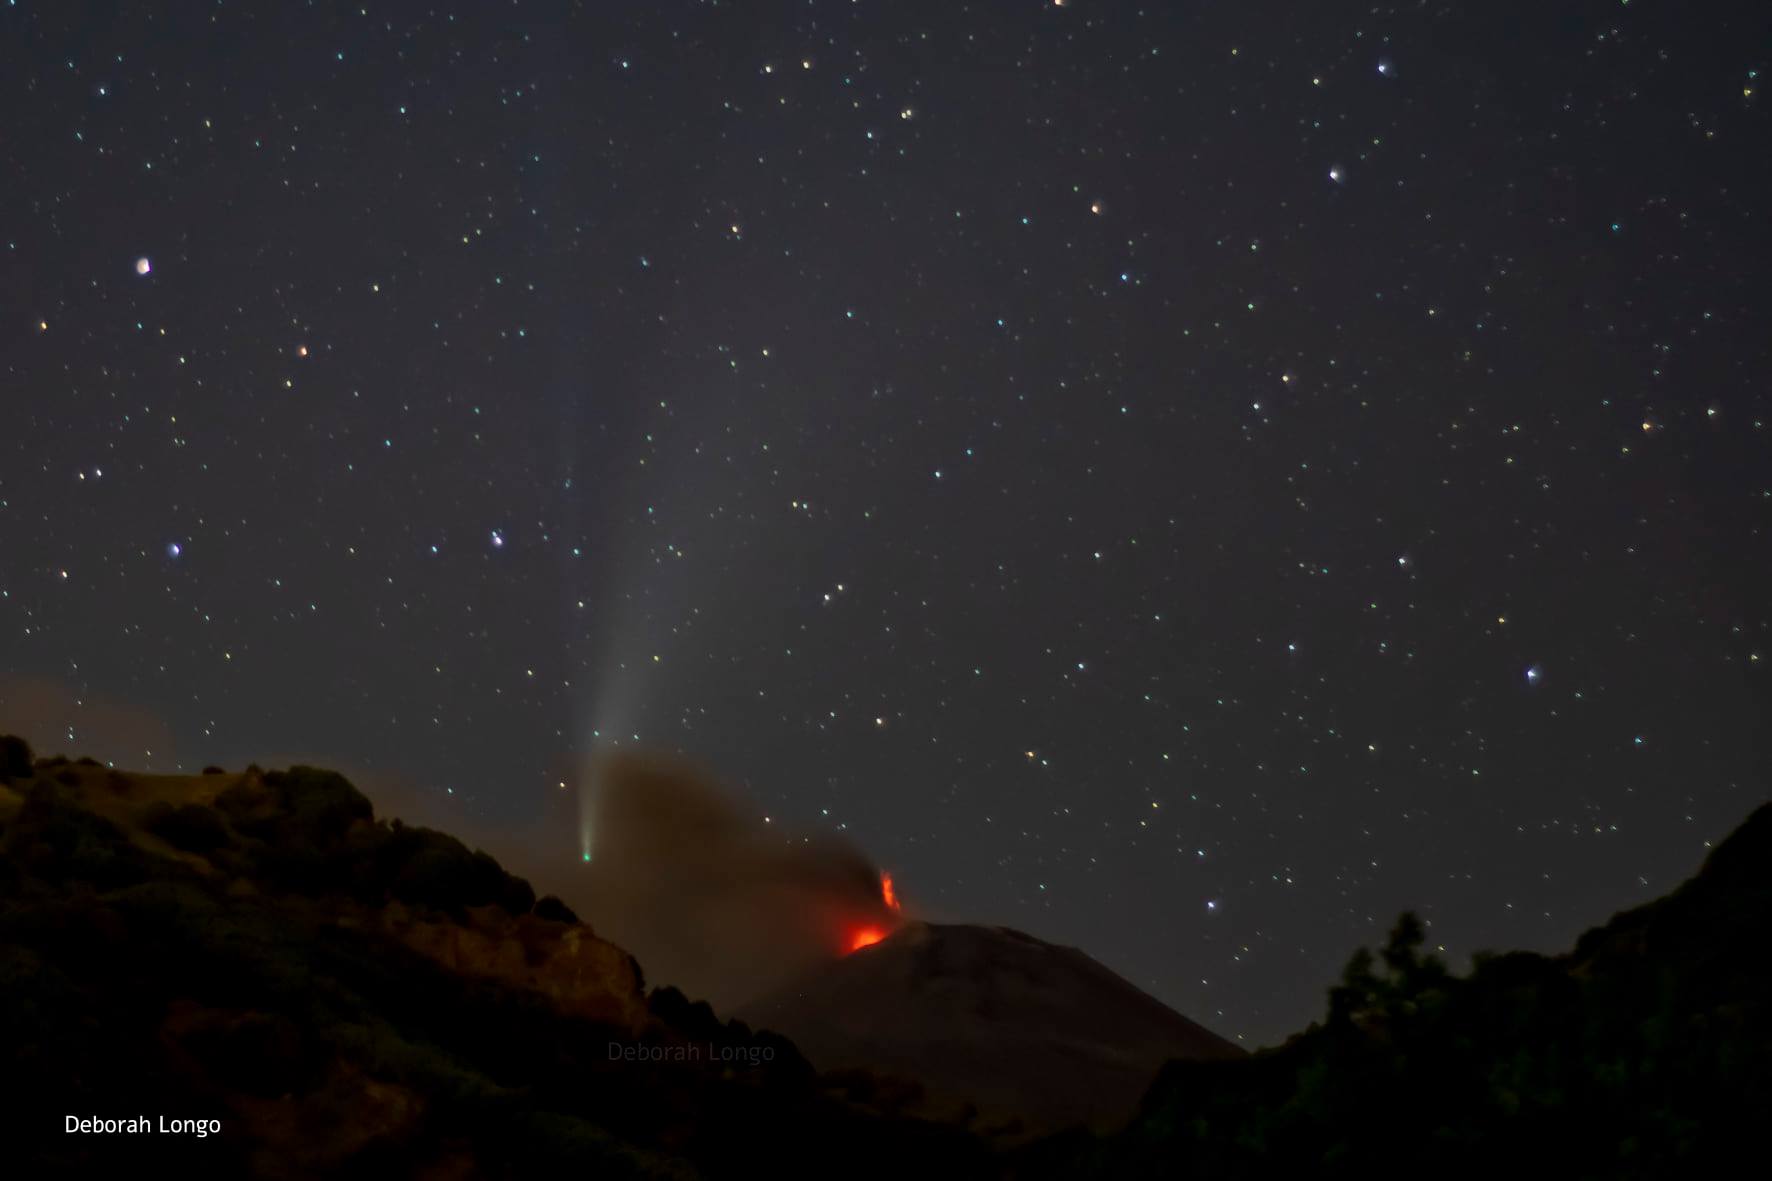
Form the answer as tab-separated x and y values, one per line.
354	997
1017	1026
1646	1051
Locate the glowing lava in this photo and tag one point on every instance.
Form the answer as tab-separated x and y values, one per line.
869	935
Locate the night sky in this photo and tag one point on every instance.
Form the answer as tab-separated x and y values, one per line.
1184	480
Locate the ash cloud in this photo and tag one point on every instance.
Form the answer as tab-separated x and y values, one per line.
707	896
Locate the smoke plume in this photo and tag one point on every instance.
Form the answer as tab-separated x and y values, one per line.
708	897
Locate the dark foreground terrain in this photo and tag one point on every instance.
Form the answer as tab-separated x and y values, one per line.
1644	1052
353	997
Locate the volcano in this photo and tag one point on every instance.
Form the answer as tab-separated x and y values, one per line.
1017	1027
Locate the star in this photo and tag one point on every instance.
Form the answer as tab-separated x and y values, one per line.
1030	393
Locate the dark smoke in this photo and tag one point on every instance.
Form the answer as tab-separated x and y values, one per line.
708	897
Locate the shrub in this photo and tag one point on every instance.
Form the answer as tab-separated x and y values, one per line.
321	804
440	872
434	869
250	809
191	827
554	910
693	1019
60	842
213	770
515	894
15	758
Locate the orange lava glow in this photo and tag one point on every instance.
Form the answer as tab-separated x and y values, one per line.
867	936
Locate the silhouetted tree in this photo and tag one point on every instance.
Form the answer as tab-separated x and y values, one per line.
1358	989
15	758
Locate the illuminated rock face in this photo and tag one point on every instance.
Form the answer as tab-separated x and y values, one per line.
583	975
1015	1025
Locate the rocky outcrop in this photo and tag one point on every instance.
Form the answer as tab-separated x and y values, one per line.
583	976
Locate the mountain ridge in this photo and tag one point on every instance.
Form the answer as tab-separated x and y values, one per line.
988	1014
